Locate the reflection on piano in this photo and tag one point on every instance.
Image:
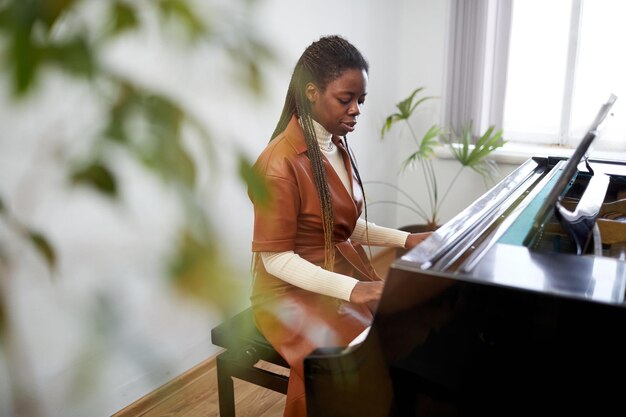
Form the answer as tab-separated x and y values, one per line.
501	311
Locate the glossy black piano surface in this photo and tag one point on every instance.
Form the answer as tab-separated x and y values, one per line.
496	313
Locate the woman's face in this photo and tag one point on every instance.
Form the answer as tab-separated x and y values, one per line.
338	106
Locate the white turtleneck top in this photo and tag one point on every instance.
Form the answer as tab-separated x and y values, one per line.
297	271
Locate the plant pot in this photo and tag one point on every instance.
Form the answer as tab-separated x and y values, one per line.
419	228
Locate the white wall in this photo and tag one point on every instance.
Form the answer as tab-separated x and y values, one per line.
110	307
423	63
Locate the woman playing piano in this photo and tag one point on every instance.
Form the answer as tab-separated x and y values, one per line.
314	285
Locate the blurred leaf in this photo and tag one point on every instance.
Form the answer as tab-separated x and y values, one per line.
181	11
253	76
25	58
50	10
177	164
19	19
119	112
124	17
159	145
17	14
115	128
199	270
165	151
73	56
164	115
23	55
3	208
98	176
247	54
257	186
4	16
44	248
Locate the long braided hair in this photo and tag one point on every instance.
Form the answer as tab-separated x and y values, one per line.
322	62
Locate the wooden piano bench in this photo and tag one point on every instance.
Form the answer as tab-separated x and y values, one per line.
245	346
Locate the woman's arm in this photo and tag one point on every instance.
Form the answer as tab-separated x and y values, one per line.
297	271
293	269
384	236
376	235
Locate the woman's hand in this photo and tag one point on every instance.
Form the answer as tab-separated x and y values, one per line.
415	239
366	291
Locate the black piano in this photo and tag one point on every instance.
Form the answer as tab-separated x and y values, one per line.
514	307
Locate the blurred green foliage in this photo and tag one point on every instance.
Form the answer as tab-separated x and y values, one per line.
39	34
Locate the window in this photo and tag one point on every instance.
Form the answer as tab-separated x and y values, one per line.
538	69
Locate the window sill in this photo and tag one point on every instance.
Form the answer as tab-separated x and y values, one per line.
517	153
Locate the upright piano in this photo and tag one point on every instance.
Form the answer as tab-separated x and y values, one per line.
514	307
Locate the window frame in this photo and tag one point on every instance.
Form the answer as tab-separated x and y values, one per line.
479	41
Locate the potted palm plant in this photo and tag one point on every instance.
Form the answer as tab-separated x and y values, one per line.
470	152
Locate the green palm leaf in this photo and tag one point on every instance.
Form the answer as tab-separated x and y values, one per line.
426	147
475	157
389	123
405	108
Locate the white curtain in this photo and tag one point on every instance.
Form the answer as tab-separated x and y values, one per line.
477	63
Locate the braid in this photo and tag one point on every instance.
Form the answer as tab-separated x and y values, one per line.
360	182
322	62
319	176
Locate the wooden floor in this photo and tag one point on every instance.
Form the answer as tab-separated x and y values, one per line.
194	394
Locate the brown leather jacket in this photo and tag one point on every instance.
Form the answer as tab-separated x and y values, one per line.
293	218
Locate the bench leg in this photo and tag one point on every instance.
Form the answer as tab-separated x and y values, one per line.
225	389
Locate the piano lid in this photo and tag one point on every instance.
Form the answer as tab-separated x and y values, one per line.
534	183
472	322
